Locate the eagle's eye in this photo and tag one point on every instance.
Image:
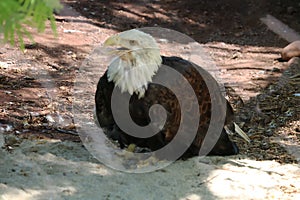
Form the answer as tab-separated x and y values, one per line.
132	42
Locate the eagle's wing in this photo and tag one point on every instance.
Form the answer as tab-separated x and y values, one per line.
198	78
103	107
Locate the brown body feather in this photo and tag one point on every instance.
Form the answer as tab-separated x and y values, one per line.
156	94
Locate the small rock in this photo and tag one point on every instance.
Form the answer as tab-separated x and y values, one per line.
70	31
275	69
50	118
5	127
11	140
264	146
7	92
28	78
235	55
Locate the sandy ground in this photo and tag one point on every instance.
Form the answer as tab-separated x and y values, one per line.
43	163
65	170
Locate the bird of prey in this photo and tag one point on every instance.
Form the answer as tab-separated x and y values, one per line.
135	73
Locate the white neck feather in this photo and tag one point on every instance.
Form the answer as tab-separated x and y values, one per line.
133	70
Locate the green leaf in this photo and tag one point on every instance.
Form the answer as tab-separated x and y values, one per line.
17	15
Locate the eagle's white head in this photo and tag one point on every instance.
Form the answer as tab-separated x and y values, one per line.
138	59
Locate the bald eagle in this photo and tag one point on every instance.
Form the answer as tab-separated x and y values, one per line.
133	73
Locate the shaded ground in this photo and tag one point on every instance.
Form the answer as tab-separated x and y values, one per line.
36	87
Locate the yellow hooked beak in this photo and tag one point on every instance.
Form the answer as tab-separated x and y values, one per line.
115	40
112	41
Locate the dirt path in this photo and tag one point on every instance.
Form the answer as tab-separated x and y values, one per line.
36	106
